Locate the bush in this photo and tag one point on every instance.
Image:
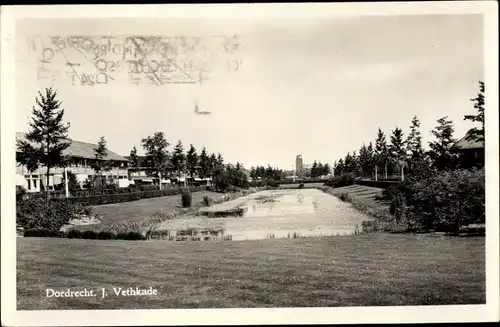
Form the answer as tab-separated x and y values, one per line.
344	197
186	198
130	236
123	195
20	193
301	185
208	201
42	232
74	233
444	201
106	235
37	213
271	183
340	181
89	234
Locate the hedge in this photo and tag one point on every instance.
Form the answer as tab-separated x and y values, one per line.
90	234
125	197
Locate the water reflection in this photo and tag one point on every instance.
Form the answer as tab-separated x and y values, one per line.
285	214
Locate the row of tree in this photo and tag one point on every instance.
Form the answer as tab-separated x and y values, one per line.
163	163
260	172
399	154
318	169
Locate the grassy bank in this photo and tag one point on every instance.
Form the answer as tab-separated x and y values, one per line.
376	269
129	212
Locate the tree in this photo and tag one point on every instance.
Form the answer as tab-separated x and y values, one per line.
269	172
191	160
364	160
370	165
178	159
47	138
339	167
414	140
213	163
441	149
326	169
350	164
381	152
397	150
220	160
100	153
477	134
204	162
320	170
314	170
414	146
134	158
156	153
253	173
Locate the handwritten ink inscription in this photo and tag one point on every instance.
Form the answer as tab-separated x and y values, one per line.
155	60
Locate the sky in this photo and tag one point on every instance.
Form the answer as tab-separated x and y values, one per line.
312	86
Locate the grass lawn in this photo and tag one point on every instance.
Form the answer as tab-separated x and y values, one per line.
141	209
366	270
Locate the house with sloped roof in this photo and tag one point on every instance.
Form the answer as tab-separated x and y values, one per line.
82	156
470	151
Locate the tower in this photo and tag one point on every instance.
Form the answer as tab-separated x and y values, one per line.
298	165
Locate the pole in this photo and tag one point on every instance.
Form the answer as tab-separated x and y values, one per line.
66	182
376	175
402	171
159	179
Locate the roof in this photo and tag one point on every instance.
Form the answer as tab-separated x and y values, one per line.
464	144
80	149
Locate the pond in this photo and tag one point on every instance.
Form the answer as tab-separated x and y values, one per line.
278	214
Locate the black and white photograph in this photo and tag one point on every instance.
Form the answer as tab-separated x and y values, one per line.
337	162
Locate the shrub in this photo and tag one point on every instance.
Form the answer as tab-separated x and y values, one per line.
186	198
344	197
89	234
444	201
106	235
130	236
20	193
99	197
301	185
74	233
271	183
41	214
208	201
42	232
388	193
339	181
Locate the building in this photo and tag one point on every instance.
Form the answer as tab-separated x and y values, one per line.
81	156
470	152
299	165
144	175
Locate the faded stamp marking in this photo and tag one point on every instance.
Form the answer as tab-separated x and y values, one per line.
154	60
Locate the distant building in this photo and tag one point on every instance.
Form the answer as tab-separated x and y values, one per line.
299	166
144	174
81	157
470	152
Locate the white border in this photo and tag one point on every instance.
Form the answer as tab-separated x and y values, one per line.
347	315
